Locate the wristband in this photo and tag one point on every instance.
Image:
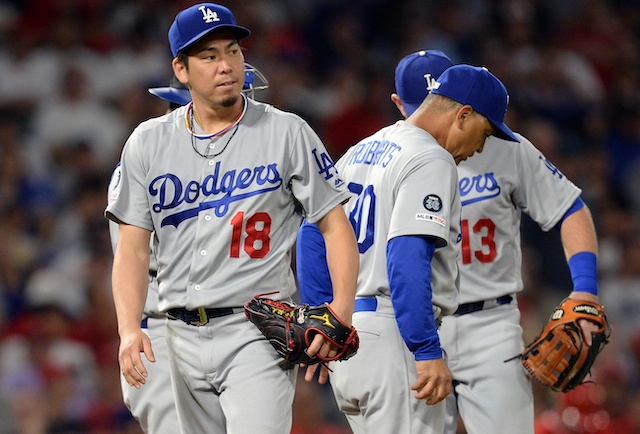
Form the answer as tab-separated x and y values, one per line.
584	272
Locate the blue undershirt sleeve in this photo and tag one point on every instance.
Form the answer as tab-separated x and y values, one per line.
409	270
314	280
577	205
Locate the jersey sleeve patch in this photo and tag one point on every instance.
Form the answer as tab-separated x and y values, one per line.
432	203
431	218
115	184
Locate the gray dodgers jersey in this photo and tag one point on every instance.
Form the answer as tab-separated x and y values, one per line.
404	183
495	187
224	225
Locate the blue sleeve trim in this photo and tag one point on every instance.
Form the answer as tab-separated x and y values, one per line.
314	280
409	270
578	204
584	272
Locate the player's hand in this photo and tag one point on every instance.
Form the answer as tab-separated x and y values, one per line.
131	346
434	381
324	348
344	311
586	326
323	376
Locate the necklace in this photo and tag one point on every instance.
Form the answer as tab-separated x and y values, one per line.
212	145
190	122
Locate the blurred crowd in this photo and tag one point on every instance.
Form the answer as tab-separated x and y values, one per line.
73	84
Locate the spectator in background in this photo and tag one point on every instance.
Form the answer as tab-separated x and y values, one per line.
357	111
53	378
74	121
29	73
137	62
621	295
623	144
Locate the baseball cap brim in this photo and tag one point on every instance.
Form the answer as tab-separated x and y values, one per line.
503	132
171	94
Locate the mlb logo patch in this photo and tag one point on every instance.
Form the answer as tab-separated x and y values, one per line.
431	218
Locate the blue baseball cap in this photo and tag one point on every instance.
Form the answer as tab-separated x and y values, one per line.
415	75
198	20
480	89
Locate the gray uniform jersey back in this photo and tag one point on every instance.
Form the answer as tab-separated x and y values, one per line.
151	304
405	183
495	187
217	219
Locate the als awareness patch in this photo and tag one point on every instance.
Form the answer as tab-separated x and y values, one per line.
431	218
432	203
114	184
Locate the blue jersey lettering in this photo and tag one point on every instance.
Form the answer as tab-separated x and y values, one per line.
230	186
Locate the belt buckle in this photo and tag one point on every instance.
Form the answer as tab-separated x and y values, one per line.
203	318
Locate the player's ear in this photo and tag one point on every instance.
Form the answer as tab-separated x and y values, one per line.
463	114
180	70
398	102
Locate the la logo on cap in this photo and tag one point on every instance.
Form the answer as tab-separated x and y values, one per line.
197	21
208	15
431	82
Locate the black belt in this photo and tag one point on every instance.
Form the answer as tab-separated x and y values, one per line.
466	308
200	316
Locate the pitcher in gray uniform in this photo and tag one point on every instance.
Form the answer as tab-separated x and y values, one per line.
153	406
222	183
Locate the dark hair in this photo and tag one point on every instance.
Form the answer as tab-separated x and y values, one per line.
183	58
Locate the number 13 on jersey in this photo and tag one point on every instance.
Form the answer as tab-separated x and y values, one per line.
487	251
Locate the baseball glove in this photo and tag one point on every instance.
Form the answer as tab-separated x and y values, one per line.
291	328
558	357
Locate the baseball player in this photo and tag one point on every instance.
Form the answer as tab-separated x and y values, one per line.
153	406
485	330
405	213
220	184
490	395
